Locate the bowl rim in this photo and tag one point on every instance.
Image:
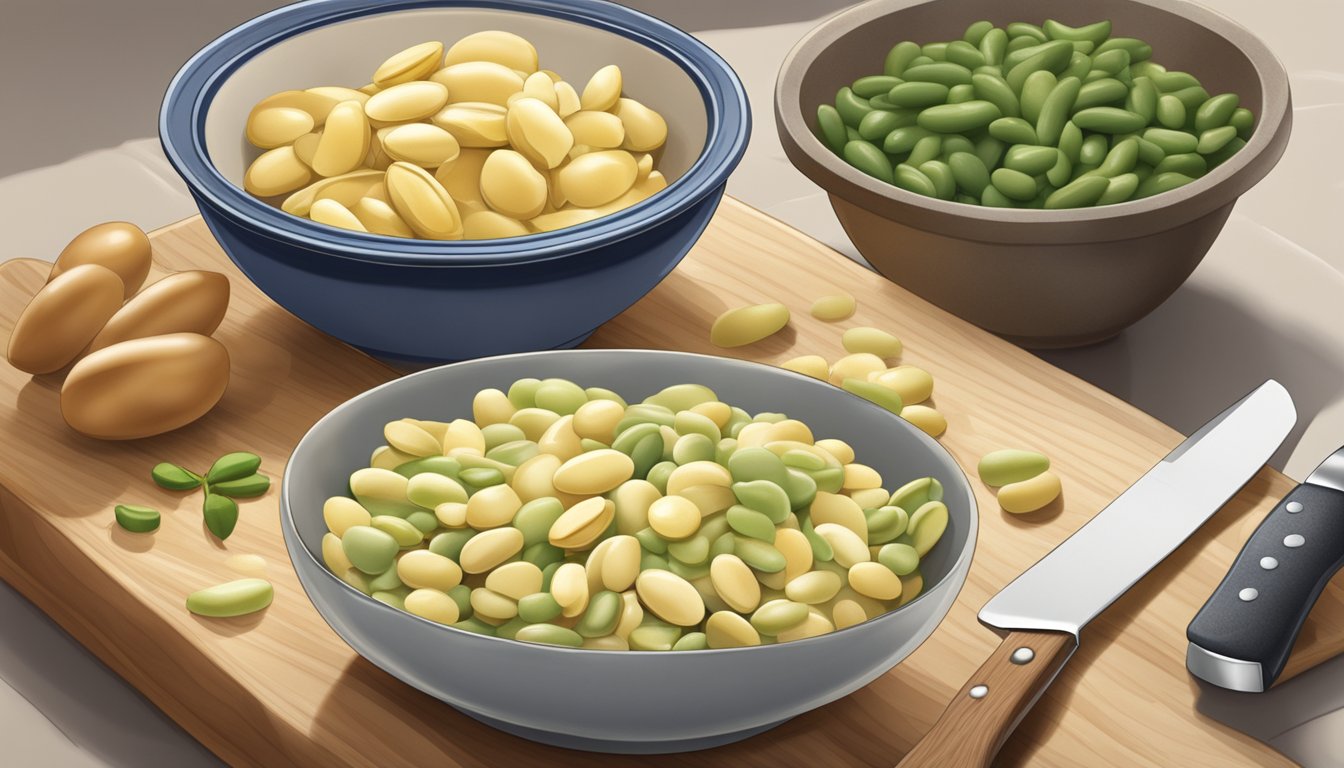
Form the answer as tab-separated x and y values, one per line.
1124	220
188	96
290	532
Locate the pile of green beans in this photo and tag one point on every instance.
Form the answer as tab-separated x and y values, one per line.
1028	116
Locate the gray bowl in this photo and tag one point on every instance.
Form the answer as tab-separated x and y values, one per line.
622	701
1039	278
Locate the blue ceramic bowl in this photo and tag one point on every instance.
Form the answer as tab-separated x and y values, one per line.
423	300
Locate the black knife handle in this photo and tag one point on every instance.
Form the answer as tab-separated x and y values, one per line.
1255	614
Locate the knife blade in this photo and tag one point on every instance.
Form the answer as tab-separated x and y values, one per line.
1242	636
1043	611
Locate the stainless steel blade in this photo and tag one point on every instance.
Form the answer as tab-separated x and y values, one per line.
1104	558
1331	472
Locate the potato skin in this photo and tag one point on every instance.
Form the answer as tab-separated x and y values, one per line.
63	317
145	387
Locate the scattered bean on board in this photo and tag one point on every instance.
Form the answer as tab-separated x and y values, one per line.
1028	116
478	142
1027	484
565	516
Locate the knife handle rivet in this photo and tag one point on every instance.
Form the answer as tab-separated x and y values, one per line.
1294	507
1022	655
1269	563
1248	594
1294	540
979	691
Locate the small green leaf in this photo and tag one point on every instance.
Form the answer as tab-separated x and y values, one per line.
136	519
244	488
233	466
173	477
221	515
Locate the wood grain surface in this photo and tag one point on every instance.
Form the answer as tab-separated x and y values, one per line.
280	688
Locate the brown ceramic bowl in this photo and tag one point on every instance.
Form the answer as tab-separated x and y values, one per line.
1040	278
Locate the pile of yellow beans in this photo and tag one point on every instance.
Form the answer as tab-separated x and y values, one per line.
565	516
478	142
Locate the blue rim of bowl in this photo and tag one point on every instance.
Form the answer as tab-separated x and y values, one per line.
188	97
289	528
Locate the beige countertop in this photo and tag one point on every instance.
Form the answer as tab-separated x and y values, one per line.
1265	302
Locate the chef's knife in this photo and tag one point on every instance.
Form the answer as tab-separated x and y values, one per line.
1044	609
1241	638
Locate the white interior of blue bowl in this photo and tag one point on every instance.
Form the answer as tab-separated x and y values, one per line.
346	53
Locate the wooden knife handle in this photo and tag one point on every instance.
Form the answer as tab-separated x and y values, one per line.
977	722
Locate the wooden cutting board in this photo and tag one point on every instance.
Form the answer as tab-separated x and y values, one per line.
280	688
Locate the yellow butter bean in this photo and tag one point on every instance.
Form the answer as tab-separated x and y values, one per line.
856	365
474	123
839	510
834	308
344	141
346	189
814	587
874	580
847	546
278	126
379	218
594	472
433	605
815	625
872	340
581	524
847	613
492	605
408	101
632	614
488	549
930	421
914	385
514	580
423	203
725	629
670	597
276	172
478	81
512	186
492	507
620	566
601	130
421	568
747	325
503	48
597	178
569	587
425	145
491	406
341	512
645	129
413	63
674	517
603	89
697	473
809	365
333	214
536	131
735	583
566	99
1030	495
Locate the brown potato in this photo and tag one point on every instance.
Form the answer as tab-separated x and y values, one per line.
146	386
63	318
117	245
185	302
